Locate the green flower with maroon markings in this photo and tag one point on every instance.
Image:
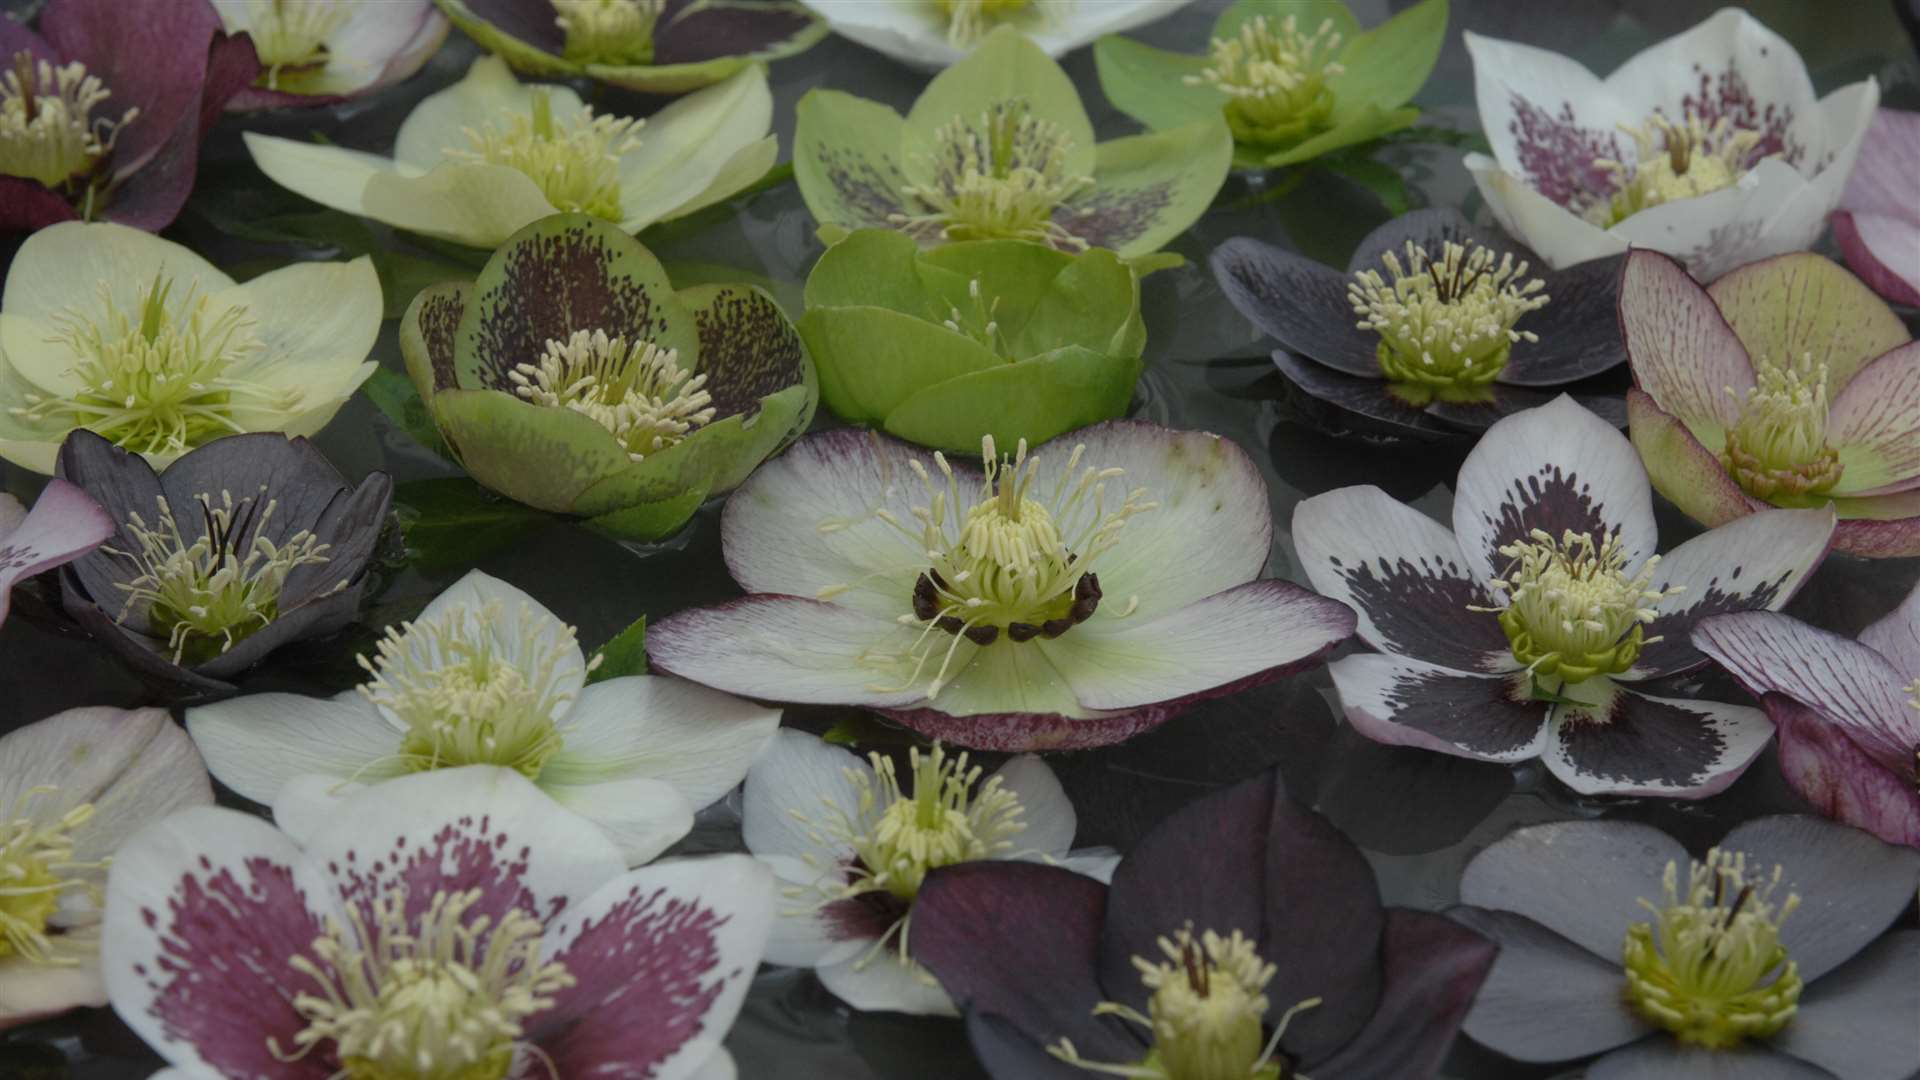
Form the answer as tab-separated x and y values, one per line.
998	147
1295	79
574	378
981	338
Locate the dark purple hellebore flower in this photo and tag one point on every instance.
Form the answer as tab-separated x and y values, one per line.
1241	898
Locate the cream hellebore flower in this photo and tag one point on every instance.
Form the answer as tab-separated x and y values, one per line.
146	344
930	34
1709	146
487	676
315	52
487	156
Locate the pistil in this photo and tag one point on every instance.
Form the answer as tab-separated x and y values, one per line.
1778	448
1573	607
290	36
638	392
1673	161
1003	176
575	162
1446	325
617	32
36	868
1275	78
47	130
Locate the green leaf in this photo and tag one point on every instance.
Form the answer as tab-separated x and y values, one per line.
1034	400
1005	66
624	654
1384	181
1150	85
453	522
394	395
1442	136
1387	65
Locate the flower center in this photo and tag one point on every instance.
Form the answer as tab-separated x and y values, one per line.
638	392
1445	325
47	131
443	1000
289	35
608	31
1710	967
1275	79
36	867
1778	447
1000	177
222	586
576	163
1571	608
1673	161
969	20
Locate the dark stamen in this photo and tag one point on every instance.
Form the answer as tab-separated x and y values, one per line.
23	70
1196	965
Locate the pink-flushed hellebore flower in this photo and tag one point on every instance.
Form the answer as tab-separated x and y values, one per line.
1709	146
1522	631
453	924
65	523
73	788
102	112
1785	383
1878	224
317	52
1848	712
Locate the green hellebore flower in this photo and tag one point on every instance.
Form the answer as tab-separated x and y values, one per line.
975	338
572	377
1295	79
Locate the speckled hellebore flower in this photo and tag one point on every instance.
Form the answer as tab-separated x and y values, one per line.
929	34
1294	79
574	378
654	46
487	676
1785	383
73	787
64	524
1878	223
1521	632
488	156
317	52
1438	328
1243	937
139	340
1709	146
1000	338
1765	960
1071	596
249	543
998	147
101	115
455	924
1848	712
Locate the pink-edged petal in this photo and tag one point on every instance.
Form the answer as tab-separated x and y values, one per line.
1875	425
1842	1021
1884	251
30	991
1548	119
1546	998
134	765
661	958
1894	536
1402	702
1434	969
789	648
1021	732
1583	880
1806	305
65	523
1896	636
1555	468
1882	179
1827	767
1683	353
1686	473
1629	743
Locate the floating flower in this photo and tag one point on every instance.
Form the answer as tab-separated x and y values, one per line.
111	330
998	147
931	34
488	156
971	339
101	115
1519	633
456	924
65	524
1294	81
655	46
1765	958
244	545
73	788
1709	146
1242	937
1436	329
1073	596
316	52
573	377
1785	383
1848	712
1878	224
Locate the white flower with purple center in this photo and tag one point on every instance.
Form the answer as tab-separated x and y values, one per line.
1519	633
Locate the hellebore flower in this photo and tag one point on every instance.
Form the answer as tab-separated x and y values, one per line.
654	46
65	524
244	545
316	52
111	330
930	34
1294	80
1764	959
1785	383
1848	712
573	377
1437	326
457	924
73	787
487	676
1519	633
998	147
1878	224
486	157
1709	146
1242	937
1071	597
101	114
972	339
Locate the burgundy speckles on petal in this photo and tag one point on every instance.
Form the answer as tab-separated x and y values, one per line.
1110	219
869	188
467	854
439	326
1726	95
748	349
1557	154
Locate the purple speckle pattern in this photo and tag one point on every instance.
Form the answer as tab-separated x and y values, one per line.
1557	154
17	558
868	187
1552	501
1725	94
1112	219
467	853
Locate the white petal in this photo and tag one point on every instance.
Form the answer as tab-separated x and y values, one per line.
303	343
466	202
1715	232
1842	120
783	648
1638	744
803	935
1546	116
719	1066
696	739
684	146
909	33
1080	24
332	176
881	983
1748	65
643	817
514	613
488	97
257	743
1049	817
1403	702
29	991
799	776
63	267
12	513
747	165
83	754
359	53
1005	678
1560	236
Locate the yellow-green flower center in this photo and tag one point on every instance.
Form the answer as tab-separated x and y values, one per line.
47	129
638	392
1709	967
1002	176
1673	161
1275	79
1446	324
1778	448
36	867
441	1000
616	32
1573	607
576	162
290	36
969	20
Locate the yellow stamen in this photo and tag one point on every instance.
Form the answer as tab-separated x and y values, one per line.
1003	176
576	162
617	32
638	392
1674	161
1446	324
1571	608
47	130
1275	78
36	867
1778	448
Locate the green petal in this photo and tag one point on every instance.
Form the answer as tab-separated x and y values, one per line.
665	476
756	365
1014	277
880	268
467	202
846	158
1005	66
545	458
1366	125
1387	65
667	78
1149	84
1802	303
524	57
1310	14
741	447
1148	189
428	331
1046	299
871	359
1034	400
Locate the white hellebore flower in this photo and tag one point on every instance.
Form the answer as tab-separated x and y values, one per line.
480	160
151	347
931	34
1709	146
487	676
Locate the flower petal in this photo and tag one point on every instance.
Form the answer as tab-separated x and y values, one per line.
1047	813
465	202
847	160
332	176
1562	237
1582	880
1434	969
1661	1057
75	266
686	145
1875	425
1807	305
520	627
1842	1022
1896	636
873	360
1404	702
797	774
1684	355
1149	84
1148	189
65	523
1546	998
1041	398
1827	768
303	343
721	30
1299	302
1880	250
699	740
1636	744
786	648
134	766
881	983
1686	473
1549	119
1369	399
30	991
1579	329
642	816
484	99
1006	66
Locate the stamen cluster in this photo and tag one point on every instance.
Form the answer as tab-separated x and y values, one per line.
979	321
969	20
1000	177
1275	78
608	31
1779	445
47	130
576	162
1446	325
1673	161
639	392
36	867
291	35
1572	608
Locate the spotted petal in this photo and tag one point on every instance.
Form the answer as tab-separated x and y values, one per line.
1629	743
1148	189
1548	119
1404	702
1004	66
847	160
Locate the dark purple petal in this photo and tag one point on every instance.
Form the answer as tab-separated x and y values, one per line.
232	65
123	484
1434	968
146	656
1404	702
1823	764
531	21
26	205
1008	1053
1021	732
708	31
1661	1058
1297	301
292	474
1846	1020
1546	998
1502	401
1579	328
1583	880
1430	230
16	38
1368	398
156	63
1640	745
